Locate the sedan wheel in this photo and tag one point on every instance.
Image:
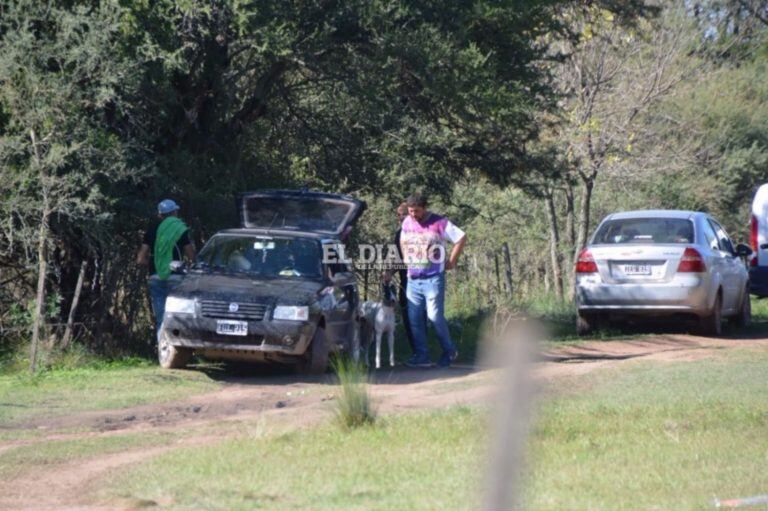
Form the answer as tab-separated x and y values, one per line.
585	323
712	325
169	356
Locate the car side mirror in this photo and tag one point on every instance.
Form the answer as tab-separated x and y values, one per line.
743	250
343	278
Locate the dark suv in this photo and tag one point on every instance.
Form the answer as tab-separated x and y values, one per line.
262	292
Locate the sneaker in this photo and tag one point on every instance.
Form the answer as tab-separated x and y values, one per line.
447	358
417	361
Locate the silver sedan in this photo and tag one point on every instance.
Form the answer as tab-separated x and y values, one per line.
654	263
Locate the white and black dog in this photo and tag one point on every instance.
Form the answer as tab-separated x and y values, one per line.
377	319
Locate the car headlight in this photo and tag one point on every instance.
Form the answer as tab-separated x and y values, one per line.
179	305
291	312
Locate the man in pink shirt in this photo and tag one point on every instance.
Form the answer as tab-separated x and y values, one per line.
423	244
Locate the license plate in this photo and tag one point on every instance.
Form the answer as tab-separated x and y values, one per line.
228	327
637	269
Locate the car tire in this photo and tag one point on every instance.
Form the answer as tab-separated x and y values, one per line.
744	316
585	323
169	356
711	325
315	360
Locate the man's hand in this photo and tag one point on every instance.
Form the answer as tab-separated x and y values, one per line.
455	253
189	252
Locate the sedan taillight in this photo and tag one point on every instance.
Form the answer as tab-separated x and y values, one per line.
691	262
586	263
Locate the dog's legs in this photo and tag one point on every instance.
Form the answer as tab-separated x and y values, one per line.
378	348
356	342
391	340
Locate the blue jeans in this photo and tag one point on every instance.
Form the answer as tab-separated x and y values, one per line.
428	295
158	292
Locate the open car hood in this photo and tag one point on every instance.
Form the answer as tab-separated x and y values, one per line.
283	211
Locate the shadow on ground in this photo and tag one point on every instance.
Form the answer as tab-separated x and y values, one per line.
275	375
627	330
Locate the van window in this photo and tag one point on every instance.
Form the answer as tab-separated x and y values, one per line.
644	230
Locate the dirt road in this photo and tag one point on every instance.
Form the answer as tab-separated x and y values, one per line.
287	401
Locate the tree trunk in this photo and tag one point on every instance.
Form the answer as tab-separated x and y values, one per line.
508	264
554	245
42	269
570	225
584	211
73	308
488	280
588	183
570	231
38	318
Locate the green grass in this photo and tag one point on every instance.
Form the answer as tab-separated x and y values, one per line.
654	436
415	461
98	387
641	435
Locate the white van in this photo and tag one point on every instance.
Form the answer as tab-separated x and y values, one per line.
758	238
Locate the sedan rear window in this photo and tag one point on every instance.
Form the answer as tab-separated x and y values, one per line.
644	230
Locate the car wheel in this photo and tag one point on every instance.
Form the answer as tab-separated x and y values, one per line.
744	317
315	360
169	356
585	323
712	324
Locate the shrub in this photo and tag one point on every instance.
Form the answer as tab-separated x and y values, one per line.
354	407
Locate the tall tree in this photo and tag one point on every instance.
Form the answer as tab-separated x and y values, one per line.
58	74
612	74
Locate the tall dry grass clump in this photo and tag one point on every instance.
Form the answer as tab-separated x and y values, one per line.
354	407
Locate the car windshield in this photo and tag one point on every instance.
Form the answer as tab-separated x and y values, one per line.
644	230
262	256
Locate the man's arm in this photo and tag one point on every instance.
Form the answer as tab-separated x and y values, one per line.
142	258
455	253
189	252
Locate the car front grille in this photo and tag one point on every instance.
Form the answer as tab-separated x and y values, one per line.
222	309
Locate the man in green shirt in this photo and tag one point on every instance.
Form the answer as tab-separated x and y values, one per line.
165	240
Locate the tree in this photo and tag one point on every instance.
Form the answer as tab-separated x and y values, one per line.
614	73
58	72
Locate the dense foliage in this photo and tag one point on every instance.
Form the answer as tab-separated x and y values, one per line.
525	120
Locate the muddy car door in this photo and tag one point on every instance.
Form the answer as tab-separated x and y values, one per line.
345	298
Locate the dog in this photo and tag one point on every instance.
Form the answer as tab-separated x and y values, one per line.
377	319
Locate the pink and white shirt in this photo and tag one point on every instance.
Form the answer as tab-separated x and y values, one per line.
424	244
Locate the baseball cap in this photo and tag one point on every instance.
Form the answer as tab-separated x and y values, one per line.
167	206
